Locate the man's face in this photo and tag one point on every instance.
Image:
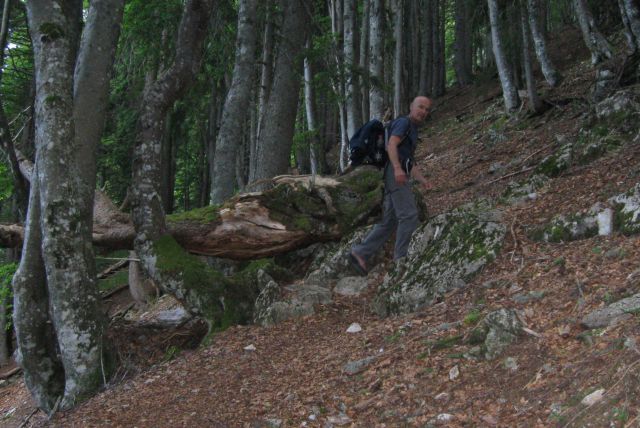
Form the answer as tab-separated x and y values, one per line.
419	109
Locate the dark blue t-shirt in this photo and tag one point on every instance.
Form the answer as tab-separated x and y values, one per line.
399	128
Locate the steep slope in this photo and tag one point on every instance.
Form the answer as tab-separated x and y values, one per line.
418	369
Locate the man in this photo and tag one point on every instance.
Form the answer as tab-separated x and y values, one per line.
400	211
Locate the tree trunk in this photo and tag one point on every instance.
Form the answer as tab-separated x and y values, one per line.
234	114
276	137
631	18
266	81
72	78
549	71
598	46
151	242
426	63
463	39
364	61
352	87
310	107
397	63
376	59
296	211
509	90
535	104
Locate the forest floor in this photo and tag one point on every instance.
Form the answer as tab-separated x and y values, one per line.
295	376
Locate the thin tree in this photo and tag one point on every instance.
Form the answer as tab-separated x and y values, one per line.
549	71
364	59
461	47
509	90
352	88
376	59
236	104
57	315
535	103
397	63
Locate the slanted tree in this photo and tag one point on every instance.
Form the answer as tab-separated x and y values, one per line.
509	90
59	323
236	105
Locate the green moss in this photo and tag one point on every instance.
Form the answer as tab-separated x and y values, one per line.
477	336
221	301
472	317
51	31
445	342
208	214
113	281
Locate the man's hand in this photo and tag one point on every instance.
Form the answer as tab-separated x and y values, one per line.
400	176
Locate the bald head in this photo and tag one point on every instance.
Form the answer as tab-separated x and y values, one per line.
419	109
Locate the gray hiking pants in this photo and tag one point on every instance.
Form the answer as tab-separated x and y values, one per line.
400	212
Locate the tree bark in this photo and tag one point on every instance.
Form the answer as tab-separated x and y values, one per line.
509	90
364	61
296	211
463	39
147	212
376	61
352	86
276	137
72	80
236	105
549	71
397	63
598	45
630	13
310	108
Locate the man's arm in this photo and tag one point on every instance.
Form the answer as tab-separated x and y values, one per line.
392	151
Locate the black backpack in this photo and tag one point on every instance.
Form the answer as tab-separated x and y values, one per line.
368	144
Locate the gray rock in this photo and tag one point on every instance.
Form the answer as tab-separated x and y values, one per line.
621	103
612	314
627	207
597	220
504	328
313	294
496	167
351	286
354	367
444	254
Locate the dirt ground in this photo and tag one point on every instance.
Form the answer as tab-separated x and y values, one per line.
296	374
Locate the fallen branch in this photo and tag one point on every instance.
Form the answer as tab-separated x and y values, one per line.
26	421
509	175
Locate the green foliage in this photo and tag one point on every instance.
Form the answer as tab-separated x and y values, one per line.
472	317
6	294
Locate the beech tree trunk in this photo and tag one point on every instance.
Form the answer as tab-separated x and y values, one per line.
509	90
352	87
598	46
364	61
276	137
397	63
536	24
310	108
630	12
237	104
376	59
72	80
462	65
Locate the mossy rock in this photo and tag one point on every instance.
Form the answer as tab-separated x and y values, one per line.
555	164
222	301
627	211
566	228
444	254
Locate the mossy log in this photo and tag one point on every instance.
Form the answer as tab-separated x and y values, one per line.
296	211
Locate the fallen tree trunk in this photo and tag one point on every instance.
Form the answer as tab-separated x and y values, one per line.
295	212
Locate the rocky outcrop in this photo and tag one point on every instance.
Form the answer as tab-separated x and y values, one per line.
444	254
